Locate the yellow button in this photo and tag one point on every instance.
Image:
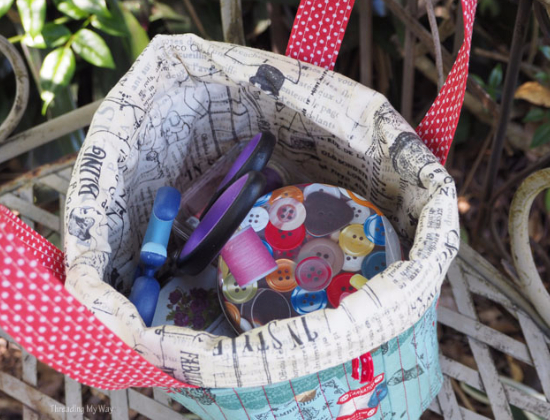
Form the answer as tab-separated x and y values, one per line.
282	280
237	294
287	192
224	269
358	281
353	241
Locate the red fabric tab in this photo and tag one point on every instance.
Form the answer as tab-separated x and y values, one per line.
438	127
45	319
316	38
318	31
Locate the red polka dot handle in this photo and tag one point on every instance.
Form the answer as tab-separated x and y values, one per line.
316	38
45	319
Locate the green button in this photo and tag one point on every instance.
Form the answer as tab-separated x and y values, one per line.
237	294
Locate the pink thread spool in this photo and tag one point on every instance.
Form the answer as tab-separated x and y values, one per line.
247	257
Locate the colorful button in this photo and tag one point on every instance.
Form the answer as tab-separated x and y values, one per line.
257	217
326	214
284	240
353	241
339	288
304	301
352	263
287	192
282	280
313	273
269	305
326	249
235	293
264	199
287	214
374	229
358	281
269	248
373	264
321	188
360	213
232	313
223	268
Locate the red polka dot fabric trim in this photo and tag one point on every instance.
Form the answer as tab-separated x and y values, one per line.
318	31
316	38
438	127
45	319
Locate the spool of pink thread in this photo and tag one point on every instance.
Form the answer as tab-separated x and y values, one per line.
247	257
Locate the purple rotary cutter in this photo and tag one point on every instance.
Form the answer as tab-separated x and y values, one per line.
220	222
254	157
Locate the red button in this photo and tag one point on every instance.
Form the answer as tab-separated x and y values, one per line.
284	239
339	288
313	274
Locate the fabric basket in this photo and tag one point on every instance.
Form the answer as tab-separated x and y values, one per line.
182	105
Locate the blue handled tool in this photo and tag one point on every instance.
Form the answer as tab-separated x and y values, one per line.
145	291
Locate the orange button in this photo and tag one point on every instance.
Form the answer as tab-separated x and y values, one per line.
282	280
233	313
360	200
287	192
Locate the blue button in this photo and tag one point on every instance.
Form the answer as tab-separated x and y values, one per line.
264	199
305	302
373	264
374	229
379	394
268	247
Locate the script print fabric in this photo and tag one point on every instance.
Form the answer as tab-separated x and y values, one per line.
183	104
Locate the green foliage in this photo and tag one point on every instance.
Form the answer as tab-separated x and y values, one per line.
57	70
92	48
52	35
97	7
542	133
5	6
138	38
33	15
494	84
547	200
68	8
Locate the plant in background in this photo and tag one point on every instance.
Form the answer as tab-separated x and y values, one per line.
542	133
493	86
58	67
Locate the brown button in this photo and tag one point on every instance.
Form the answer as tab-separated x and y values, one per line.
326	213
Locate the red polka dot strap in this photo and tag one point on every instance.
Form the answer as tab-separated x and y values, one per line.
45	319
316	38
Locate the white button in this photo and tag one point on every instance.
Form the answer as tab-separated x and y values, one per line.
351	263
287	214
257	217
328	189
360	213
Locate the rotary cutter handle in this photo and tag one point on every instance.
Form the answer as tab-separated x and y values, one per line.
146	289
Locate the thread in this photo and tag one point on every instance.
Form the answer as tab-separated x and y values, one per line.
247	257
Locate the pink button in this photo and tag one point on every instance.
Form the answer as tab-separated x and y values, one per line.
313	274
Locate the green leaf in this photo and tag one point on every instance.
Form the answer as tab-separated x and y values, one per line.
95	7
541	136
33	15
110	25
547	200
495	78
545	49
57	70
92	48
138	38
534	114
5	6
68	8
164	11
52	35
